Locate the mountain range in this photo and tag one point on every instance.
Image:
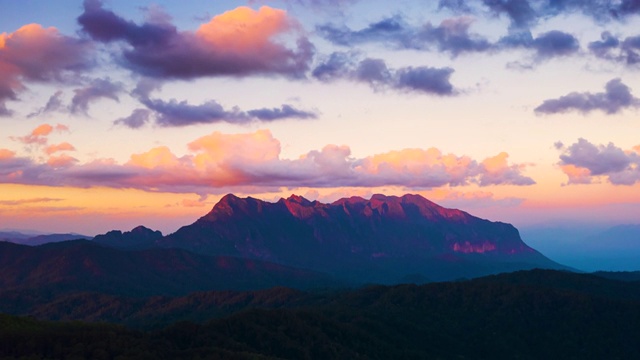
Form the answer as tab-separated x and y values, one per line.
385	239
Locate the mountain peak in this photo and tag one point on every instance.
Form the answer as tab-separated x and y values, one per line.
298	200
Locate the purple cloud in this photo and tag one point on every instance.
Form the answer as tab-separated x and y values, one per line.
96	90
424	79
36	54
223	46
53	104
451	36
284	112
584	161
617	96
137	119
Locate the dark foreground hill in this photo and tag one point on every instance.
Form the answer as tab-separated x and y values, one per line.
525	315
81	266
381	240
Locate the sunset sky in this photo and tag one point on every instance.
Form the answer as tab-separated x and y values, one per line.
119	113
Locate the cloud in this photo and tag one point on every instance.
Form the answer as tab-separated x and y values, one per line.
239	42
422	79
496	171
524	14
546	45
451	36
425	79
520	12
36	54
38	136
284	112
53	104
64	146
27	201
583	162
219	162
610	47
617	96
97	89
175	113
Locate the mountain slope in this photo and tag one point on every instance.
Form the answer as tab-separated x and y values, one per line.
85	266
382	239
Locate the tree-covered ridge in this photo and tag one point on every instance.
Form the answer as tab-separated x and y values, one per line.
525	315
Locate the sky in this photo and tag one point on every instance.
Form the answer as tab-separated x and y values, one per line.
119	113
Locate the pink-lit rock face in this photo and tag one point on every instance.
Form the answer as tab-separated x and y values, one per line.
469	248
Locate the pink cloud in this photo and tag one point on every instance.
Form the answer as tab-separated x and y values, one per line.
39	135
61	161
222	162
238	42
34	53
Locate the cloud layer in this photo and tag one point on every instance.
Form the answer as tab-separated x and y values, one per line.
218	162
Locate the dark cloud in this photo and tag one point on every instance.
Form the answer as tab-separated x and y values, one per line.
617	96
520	12
631	50
336	66
137	119
375	72
451	36
157	49
610	47
457	6
546	45
96	90
284	112
425	79
584	161
555	43
36	54
602	47
180	113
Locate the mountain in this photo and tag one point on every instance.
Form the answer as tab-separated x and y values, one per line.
589	247
82	265
33	240
383	239
138	238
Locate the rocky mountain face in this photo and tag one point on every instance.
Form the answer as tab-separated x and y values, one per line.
382	239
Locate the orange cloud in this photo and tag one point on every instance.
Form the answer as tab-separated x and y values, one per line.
40	133
218	148
65	146
160	157
244	30
577	175
61	161
6	154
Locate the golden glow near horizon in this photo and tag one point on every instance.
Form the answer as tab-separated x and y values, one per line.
151	123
